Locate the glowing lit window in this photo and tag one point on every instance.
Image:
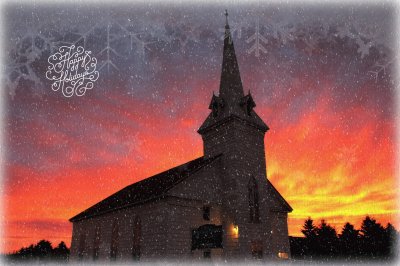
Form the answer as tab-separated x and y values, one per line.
283	255
235	230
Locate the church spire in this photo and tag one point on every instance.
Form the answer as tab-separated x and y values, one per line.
230	89
231	103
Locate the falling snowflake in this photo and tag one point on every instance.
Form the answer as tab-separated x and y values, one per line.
258	40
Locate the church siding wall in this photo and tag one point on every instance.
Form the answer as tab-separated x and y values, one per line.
153	240
186	215
280	233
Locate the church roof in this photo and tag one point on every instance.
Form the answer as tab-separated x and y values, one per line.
146	190
279	196
231	101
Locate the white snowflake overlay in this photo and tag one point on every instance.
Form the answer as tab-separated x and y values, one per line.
38	42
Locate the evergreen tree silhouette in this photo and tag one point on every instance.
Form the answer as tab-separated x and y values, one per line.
390	240
61	252
349	241
43	249
372	238
372	241
310	232
309	229
326	239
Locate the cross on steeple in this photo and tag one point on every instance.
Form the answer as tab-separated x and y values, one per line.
226	17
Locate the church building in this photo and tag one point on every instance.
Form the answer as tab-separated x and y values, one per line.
220	206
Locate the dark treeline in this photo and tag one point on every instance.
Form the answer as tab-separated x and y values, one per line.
371	241
322	242
42	251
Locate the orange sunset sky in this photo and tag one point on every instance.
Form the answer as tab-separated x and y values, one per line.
331	147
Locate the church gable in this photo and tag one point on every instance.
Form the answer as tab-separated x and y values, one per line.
149	189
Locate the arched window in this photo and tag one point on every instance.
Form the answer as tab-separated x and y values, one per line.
114	241
96	243
253	201
137	235
81	246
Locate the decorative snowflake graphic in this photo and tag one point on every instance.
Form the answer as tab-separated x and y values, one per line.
258	40
363	47
344	31
133	37
83	37
311	44
108	50
347	155
235	29
282	31
378	69
20	62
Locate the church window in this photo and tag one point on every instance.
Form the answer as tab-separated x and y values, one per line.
254	211
81	247
114	241
206	213
137	234
96	243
